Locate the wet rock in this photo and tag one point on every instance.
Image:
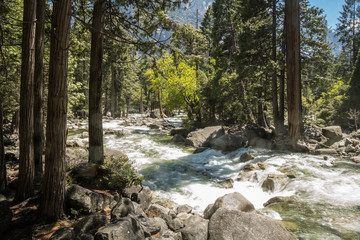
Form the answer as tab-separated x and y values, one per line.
63	234
247	176
250	167
87	201
184	209
279	199
139	194
178	138
268	185
203	137
225	224
356	159
154	126
200	149
227	183
246	157
125	228
325	151
196	228
180	131
272	180
90	224
262	165
84	135
229	201
333	134
229	142
123	208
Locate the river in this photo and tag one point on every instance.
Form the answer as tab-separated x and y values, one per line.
326	192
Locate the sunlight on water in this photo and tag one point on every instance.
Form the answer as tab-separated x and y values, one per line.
328	191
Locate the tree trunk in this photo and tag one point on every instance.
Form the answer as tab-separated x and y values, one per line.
3	180
38	87
292	29
113	90
141	102
25	188
274	83
53	192
96	148
160	103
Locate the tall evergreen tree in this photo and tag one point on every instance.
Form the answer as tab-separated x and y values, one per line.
53	191
25	187
292	40
96	148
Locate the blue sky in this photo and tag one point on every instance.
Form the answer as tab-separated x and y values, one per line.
331	9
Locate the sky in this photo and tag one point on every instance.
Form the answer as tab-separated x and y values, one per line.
331	8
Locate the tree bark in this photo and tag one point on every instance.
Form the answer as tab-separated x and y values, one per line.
141	101
96	148
292	38
3	180
25	187
38	87
113	90
274	83
53	192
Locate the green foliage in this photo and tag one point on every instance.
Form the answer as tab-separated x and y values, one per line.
124	173
176	82
328	109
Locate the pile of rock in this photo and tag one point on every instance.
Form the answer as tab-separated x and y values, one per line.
118	217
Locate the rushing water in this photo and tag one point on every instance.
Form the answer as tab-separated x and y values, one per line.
326	192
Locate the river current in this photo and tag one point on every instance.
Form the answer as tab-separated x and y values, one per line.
326	190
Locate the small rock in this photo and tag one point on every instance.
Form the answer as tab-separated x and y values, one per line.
262	165
250	167
200	150
227	183
279	199
156	210
246	157
184	209
196	228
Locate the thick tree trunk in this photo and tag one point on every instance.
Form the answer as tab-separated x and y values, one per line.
3	180
25	188
292	29
53	192
274	84
113	90
96	148
38	87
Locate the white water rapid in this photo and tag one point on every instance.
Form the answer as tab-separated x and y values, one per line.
327	192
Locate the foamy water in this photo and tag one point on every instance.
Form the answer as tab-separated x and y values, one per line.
328	191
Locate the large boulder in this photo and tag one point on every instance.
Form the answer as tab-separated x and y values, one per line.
125	228
196	228
229	142
259	137
123	208
204	136
90	224
87	201
233	224
180	131
229	201
333	134
139	194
